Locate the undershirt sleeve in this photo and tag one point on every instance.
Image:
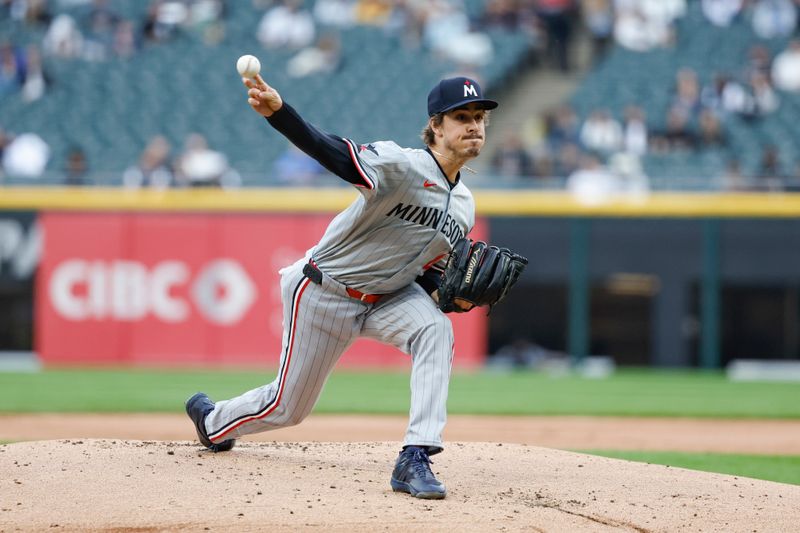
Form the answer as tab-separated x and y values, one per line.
332	152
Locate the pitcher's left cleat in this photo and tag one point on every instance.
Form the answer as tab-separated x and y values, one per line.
412	474
198	407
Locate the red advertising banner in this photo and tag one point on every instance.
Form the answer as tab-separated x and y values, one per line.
185	289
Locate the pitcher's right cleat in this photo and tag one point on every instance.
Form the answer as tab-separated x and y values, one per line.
412	474
198	407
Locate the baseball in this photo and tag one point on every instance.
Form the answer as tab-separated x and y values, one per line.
248	66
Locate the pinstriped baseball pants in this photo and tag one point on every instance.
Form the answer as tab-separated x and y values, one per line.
320	323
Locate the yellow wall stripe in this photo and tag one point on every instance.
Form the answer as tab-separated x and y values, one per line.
492	203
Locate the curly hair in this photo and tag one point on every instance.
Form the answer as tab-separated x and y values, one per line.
428	136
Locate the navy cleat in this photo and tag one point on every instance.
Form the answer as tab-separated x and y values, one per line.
412	474
198	407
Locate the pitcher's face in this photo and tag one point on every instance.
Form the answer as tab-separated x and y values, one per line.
463	131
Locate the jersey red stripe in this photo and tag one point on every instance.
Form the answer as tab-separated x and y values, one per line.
368	182
225	431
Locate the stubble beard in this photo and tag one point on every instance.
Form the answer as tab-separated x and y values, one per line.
464	154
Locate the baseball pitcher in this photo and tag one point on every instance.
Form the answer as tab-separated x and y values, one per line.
382	270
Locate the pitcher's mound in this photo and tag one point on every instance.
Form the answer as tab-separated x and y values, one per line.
80	485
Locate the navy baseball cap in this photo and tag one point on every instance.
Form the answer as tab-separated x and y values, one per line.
456	92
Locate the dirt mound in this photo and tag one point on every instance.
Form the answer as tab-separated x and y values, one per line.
116	485
777	437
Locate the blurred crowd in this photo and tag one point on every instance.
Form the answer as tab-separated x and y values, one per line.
600	147
607	150
160	165
95	31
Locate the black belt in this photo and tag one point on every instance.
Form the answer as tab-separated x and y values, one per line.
315	275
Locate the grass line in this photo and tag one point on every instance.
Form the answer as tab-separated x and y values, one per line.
780	468
627	393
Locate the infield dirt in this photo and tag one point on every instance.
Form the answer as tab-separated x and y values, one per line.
161	484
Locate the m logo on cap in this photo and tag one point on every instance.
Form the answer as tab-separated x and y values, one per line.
469	89
447	95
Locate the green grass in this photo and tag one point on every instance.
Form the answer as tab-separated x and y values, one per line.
782	468
627	393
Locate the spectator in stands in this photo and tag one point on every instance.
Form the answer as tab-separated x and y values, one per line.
206	18
774	18
686	98
63	38
335	13
627	168
36	81
76	168
323	58
711	133
100	26
635	137
286	25
737	99
764	96
12	72
101	18
667	11
557	17
150	31
721	12
786	68
294	167
566	160
598	18
407	22
31	12
601	132
155	29
642	25
448	35
154	169
501	14
562	126
26	156
677	134
165	19
125	40
200	166
759	60
511	158
711	94
634	32
592	183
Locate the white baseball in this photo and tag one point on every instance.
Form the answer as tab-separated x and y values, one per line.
248	66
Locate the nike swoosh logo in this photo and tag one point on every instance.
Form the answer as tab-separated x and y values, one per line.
428	184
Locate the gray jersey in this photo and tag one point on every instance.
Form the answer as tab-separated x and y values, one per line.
405	221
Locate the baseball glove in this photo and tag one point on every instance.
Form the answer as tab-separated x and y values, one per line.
478	274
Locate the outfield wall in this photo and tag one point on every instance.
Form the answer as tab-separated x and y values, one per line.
190	276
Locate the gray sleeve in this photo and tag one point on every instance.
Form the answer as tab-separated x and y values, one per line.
380	163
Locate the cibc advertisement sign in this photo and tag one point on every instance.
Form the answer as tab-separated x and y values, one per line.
184	289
